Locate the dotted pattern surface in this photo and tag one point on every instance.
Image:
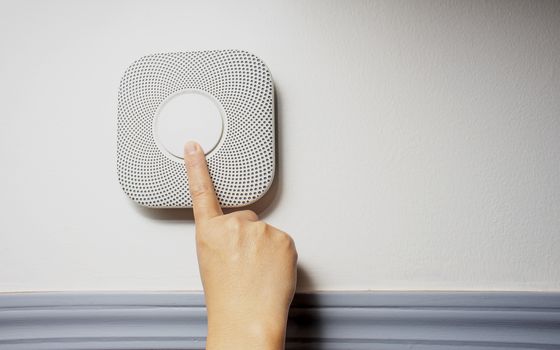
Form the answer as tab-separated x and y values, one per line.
242	167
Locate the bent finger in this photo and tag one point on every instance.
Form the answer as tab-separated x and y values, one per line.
248	215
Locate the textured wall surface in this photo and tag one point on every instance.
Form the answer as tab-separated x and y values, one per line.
419	142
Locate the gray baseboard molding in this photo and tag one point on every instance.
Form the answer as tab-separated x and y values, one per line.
330	321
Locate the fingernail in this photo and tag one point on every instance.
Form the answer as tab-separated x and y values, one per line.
191	147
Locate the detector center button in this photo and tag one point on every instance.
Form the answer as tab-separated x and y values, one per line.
188	115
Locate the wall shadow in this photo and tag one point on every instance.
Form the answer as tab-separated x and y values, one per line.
263	206
305	326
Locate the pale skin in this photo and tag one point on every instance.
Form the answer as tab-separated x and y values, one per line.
247	267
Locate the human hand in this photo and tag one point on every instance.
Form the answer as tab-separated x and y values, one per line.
247	267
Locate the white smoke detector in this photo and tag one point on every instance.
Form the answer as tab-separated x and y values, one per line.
224	100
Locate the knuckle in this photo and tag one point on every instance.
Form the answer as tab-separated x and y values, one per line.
234	223
199	190
284	237
246	214
281	238
261	227
251	215
195	162
287	240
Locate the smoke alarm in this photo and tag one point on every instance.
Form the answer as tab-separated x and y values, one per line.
224	100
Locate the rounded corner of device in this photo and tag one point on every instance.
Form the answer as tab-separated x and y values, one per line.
142	162
263	194
127	193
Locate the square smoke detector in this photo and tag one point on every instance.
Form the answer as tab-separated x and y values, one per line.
224	100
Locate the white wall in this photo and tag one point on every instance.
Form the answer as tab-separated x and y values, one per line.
419	142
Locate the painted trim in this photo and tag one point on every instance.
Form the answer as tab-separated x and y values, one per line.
330	321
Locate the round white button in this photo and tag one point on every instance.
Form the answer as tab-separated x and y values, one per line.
188	115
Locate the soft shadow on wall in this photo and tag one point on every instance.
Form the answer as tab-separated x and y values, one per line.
305	323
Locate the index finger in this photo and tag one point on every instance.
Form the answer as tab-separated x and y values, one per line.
205	202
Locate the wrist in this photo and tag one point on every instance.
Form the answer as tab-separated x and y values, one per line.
247	333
